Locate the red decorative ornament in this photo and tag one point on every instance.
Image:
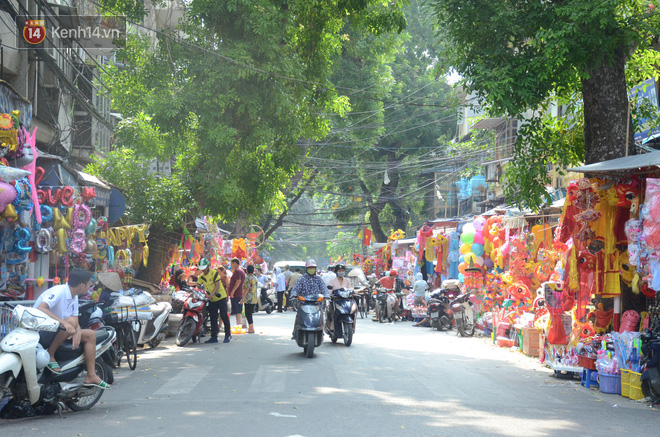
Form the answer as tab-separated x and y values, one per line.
88	193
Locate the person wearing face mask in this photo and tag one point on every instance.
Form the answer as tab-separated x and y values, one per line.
309	284
340	281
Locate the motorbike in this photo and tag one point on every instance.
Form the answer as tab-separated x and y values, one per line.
153	331
90	316
308	327
193	323
651	358
340	319
387	305
179	298
439	312
27	387
461	307
263	304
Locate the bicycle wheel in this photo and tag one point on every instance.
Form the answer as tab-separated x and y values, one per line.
130	345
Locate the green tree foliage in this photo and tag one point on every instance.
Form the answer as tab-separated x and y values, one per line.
378	152
344	245
152	198
517	56
230	94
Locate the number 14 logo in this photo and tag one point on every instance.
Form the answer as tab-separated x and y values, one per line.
34	31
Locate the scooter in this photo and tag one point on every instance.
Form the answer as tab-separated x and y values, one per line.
90	316
439	311
387	305
651	356
263	304
153	331
194	318
341	317
463	315
28	386
308	327
179	298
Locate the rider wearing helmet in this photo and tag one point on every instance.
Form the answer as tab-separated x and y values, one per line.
340	281
310	283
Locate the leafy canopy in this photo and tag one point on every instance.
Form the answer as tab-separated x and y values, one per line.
230	93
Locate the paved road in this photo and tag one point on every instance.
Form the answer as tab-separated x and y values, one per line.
394	380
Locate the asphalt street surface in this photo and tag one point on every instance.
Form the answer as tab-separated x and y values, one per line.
395	380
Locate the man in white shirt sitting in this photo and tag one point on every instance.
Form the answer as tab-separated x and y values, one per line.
61	303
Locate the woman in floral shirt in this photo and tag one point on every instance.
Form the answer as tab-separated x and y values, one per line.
250	296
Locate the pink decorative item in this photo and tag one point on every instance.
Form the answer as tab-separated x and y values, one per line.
7	194
478	237
81	216
31	167
629	321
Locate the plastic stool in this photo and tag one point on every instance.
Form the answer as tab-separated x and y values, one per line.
589	378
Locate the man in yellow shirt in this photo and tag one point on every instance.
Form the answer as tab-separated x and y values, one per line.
217	300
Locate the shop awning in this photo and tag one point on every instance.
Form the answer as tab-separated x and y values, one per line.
622	164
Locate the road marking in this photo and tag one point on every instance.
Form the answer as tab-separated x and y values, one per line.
184	382
281	415
351	377
270	379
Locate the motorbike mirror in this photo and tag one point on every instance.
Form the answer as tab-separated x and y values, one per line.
329	287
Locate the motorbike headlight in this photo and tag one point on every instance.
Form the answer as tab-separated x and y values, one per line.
34	319
310	309
345	294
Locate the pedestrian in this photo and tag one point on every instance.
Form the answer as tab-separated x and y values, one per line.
236	290
419	289
210	279
287	272
263	284
280	287
290	284
250	296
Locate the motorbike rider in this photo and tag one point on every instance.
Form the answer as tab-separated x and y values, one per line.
309	284
338	282
263	284
61	303
391	282
217	294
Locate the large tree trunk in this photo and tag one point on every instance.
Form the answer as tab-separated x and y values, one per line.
606	117
387	195
160	240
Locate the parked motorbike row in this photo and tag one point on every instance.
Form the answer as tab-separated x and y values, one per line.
28	389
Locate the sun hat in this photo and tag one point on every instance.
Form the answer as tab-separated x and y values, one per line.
110	280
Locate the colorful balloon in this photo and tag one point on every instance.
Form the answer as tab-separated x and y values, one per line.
467	237
60	235
478	237
477	249
479	223
7	194
43	240
91	227
465	248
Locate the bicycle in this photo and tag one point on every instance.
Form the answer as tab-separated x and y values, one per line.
361	298
125	342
